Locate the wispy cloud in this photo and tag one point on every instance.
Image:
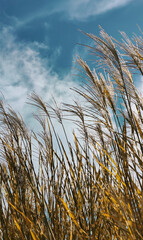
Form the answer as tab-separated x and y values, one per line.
82	9
73	9
22	71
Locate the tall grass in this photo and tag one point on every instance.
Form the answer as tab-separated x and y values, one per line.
89	188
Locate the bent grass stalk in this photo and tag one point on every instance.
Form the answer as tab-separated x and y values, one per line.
90	188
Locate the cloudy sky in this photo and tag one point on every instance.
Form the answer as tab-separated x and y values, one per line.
39	40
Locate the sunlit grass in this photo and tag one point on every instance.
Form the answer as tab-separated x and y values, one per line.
89	188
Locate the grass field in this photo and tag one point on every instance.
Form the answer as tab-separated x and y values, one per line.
89	188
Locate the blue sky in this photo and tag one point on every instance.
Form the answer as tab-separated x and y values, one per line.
39	40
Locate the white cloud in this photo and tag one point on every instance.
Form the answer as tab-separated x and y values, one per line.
82	9
73	9
22	71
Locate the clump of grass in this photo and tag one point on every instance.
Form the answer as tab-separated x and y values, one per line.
91	188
